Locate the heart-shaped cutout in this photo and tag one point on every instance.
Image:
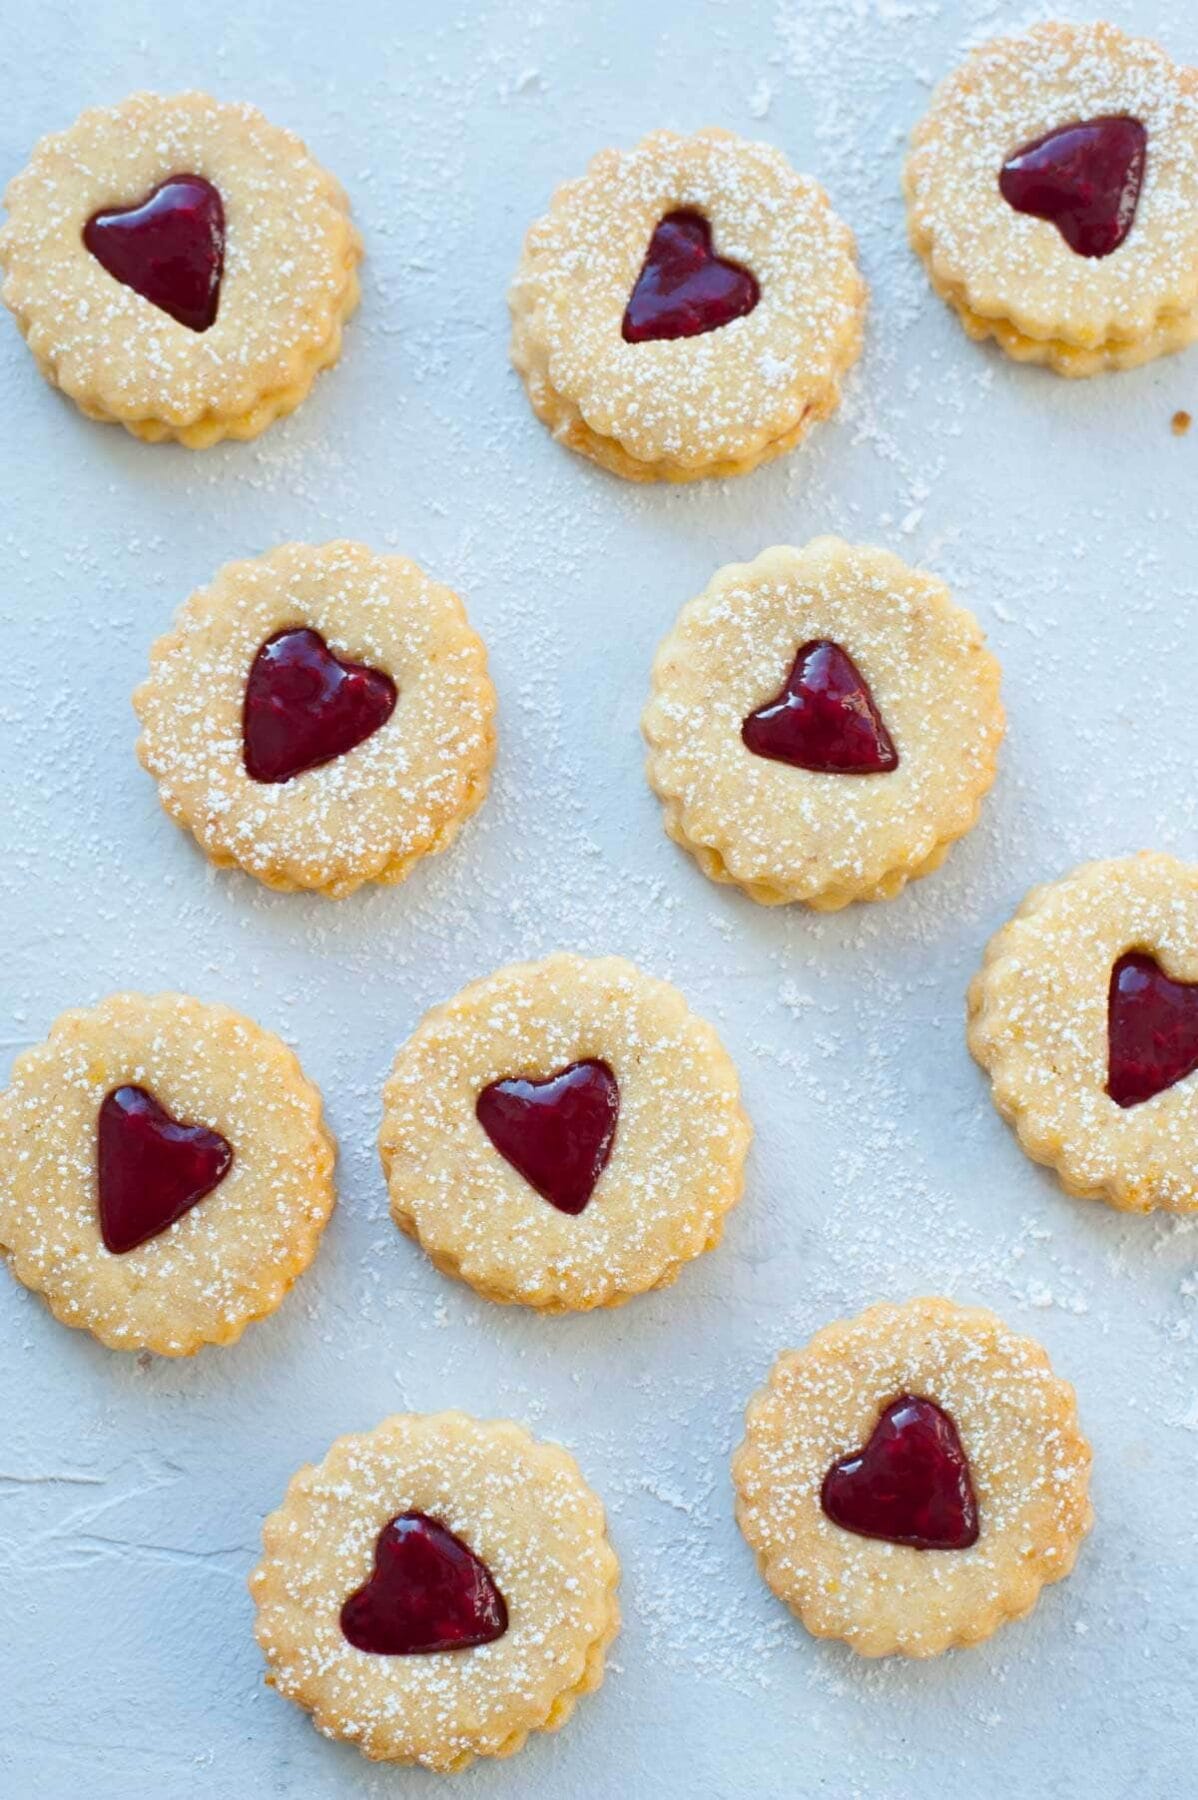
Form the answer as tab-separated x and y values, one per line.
169	248
305	707
1152	1030
684	288
824	718
1084	178
428	1591
909	1485
557	1133
151	1169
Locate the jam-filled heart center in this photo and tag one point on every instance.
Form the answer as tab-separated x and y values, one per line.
824	718
684	288
558	1133
169	248
1083	178
428	1591
304	706
151	1168
1152	1029
909	1485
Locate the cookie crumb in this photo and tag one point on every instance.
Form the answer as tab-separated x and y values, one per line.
1181	422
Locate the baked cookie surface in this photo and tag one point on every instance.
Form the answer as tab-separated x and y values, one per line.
564	1134
912	1478
165	1172
179	266
320	717
824	724
1085	1016
436	1589
1052	194
687	308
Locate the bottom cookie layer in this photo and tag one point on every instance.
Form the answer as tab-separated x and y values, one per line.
1172	332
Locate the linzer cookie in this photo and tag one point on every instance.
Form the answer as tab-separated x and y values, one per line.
912	1478
165	1172
1085	1015
686	308
179	266
824	724
436	1589
564	1134
321	717
1052	192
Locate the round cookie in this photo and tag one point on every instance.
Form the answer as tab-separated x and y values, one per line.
912	1478
165	1172
321	717
563	1134
1085	1016
687	308
436	1589
179	266
824	723
1052	193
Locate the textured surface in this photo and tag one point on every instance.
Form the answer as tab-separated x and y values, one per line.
1062	514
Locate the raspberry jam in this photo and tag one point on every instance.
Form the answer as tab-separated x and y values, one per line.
1152	1030
169	248
428	1592
557	1133
150	1168
684	288
304	706
1085	179
909	1485
824	719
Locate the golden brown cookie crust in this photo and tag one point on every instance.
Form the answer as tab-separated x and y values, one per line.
785	834
1029	1466
712	405
677	1163
1038	1026
289	283
522	1507
229	1260
369	815
1013	276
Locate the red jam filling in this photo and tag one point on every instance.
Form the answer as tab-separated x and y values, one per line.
304	706
428	1592
824	719
684	288
150	1168
1152	1030
910	1484
558	1133
169	248
1085	179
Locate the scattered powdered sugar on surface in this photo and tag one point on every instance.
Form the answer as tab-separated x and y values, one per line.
1059	514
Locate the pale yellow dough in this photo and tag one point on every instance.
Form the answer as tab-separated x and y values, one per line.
726	400
289	282
1038	1025
234	1256
676	1166
369	815
522	1507
1013	277
1029	1467
788	834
